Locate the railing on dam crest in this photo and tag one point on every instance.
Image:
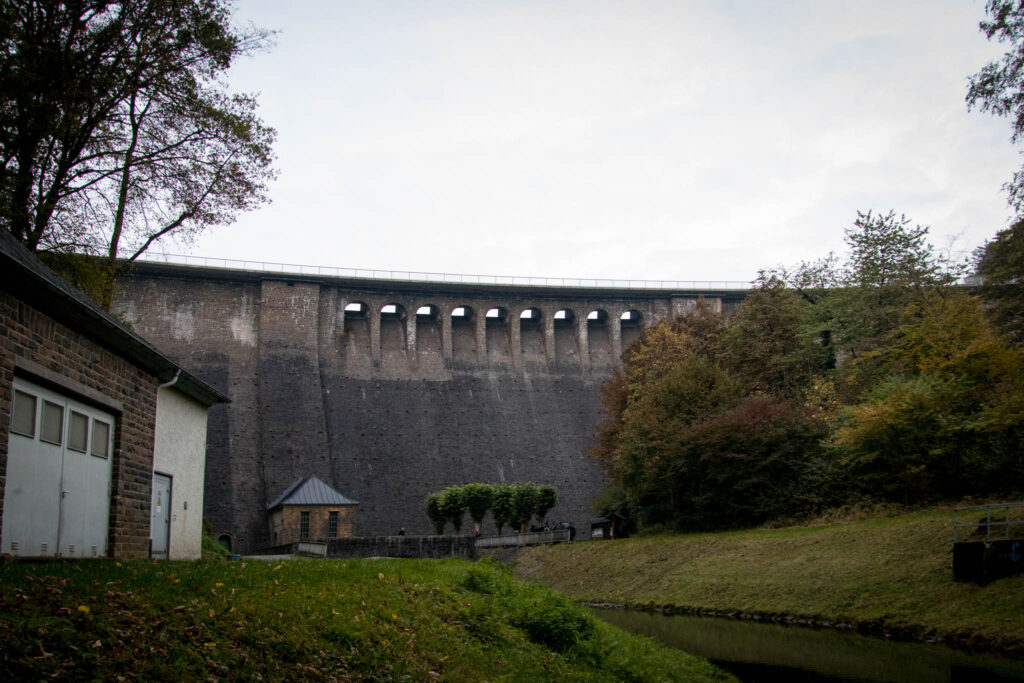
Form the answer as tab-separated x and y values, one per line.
529	538
426	276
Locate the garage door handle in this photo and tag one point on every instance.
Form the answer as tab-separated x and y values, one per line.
64	494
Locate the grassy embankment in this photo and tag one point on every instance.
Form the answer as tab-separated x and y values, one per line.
309	619
889	574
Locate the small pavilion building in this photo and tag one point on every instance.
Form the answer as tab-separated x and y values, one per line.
310	510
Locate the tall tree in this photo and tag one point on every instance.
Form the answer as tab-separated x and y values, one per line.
1001	266
771	343
116	127
999	86
947	419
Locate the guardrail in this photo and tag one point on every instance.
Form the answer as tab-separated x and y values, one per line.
1000	520
426	276
310	549
529	538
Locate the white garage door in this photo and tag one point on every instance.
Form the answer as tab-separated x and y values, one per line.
57	496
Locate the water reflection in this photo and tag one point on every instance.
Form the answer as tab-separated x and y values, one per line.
770	652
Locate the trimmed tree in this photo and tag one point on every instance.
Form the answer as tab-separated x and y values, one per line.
546	499
453	506
477	498
524	503
437	517
501	505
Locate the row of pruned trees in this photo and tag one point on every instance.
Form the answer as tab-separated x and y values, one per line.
512	505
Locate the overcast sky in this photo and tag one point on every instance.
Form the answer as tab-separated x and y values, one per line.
676	140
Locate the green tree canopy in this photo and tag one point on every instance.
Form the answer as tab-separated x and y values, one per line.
999	87
116	127
524	504
437	517
1001	267
453	506
871	376
501	506
547	497
478	498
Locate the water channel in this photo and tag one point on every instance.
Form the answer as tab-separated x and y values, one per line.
754	651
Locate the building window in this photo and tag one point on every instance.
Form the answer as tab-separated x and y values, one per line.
100	438
23	416
78	432
303	526
53	424
332	525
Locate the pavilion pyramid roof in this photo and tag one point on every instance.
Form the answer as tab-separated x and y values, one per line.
310	491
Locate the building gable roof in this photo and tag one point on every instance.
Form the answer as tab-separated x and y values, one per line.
310	491
29	279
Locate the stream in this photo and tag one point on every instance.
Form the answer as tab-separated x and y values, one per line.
754	651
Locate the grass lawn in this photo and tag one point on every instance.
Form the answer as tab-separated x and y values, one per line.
894	571
310	619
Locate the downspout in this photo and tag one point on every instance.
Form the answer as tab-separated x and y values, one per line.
169	383
172	381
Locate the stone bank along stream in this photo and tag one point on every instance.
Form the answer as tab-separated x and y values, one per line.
770	652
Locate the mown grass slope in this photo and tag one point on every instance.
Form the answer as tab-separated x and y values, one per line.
895	572
309	620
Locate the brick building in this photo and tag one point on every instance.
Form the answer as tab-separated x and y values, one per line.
78	419
310	510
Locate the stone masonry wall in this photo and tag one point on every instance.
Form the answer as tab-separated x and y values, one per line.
37	347
319	516
388	391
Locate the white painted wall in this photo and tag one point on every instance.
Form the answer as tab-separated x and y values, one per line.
180	451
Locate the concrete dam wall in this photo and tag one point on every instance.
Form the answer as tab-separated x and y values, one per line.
389	390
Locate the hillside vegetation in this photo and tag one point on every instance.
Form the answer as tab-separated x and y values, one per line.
310	620
890	574
878	378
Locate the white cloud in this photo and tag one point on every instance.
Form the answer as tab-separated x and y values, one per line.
696	140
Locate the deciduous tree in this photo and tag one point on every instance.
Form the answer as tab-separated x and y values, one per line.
478	498
546	499
524	504
116	127
1001	266
501	506
453	506
999	87
437	517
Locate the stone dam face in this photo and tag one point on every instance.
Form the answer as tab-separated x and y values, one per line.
389	390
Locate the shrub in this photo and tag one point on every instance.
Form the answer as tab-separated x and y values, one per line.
555	624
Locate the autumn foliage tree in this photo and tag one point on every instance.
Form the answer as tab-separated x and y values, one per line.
870	377
944	422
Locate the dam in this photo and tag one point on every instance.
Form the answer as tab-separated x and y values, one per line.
388	389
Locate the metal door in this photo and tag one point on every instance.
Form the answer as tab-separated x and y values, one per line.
57	494
160	527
